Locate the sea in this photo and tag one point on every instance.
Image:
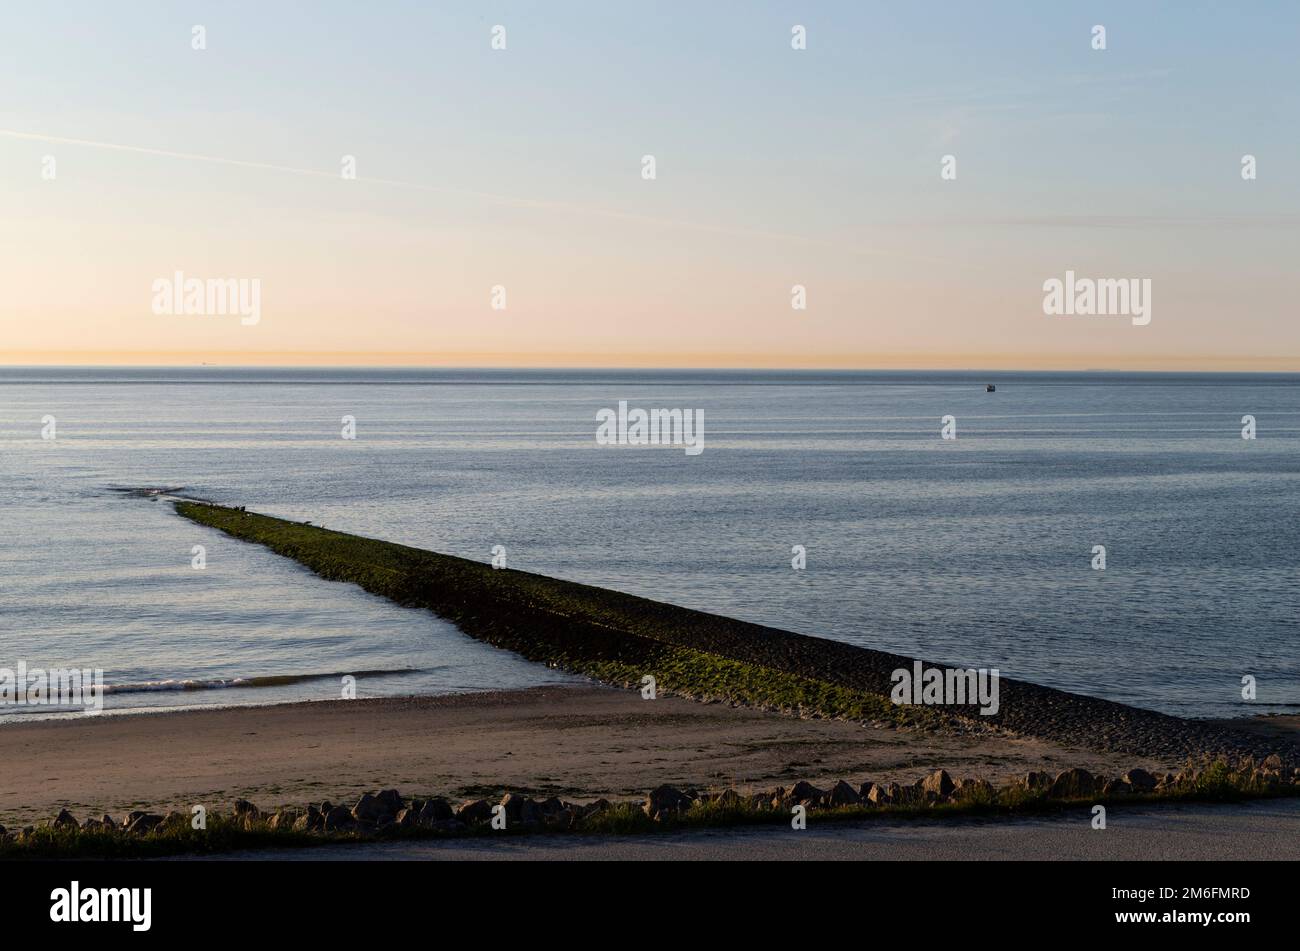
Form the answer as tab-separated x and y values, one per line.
979	550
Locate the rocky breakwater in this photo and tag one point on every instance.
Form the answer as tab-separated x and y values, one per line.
387	813
619	638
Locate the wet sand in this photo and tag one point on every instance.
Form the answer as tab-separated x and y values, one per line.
580	743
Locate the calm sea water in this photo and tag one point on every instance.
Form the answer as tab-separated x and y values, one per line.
975	551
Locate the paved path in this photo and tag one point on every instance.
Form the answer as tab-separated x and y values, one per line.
1253	831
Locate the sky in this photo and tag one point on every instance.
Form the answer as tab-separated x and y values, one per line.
127	155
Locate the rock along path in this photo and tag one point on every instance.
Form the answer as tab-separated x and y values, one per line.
1262	830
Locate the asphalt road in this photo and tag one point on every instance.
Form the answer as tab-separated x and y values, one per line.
1265	830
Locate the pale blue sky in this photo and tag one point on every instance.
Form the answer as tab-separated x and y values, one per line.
774	167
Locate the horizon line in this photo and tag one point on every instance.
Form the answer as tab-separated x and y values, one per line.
1293	369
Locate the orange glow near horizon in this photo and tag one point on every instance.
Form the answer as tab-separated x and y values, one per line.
650	360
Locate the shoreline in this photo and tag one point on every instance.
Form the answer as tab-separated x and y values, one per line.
579	742
1274	724
107	714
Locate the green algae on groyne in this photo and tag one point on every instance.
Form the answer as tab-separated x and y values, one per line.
619	638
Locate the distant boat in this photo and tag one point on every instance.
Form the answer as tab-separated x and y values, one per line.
990	388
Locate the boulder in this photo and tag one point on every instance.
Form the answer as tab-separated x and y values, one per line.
552	805
977	790
1267	778
142	822
1073	784
884	795
473	811
1035	781
907	795
435	810
593	808
245	808
520	810
338	819
842	794
807	794
1116	787
1140	780
666	801
285	819
65	820
728	799
107	821
937	786
391	801
564	819
369	809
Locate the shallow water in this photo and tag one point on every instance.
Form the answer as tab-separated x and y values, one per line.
974	551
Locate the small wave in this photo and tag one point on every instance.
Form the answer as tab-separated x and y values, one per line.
270	680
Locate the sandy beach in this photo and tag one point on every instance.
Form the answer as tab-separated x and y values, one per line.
579	743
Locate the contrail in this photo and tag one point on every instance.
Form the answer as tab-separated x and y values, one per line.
242	163
512	200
